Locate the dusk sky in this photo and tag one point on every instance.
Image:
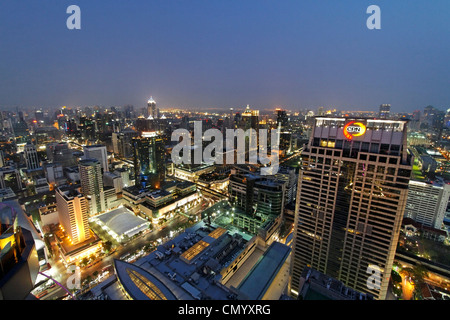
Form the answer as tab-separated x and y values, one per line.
226	53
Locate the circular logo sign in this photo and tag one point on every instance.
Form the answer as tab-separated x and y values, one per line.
354	129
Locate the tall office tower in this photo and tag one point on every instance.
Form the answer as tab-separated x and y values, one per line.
351	197
151	108
92	185
31	156
250	120
98	152
73	214
427	202
257	195
282	119
285	134
385	110
63	155
149	161
122	142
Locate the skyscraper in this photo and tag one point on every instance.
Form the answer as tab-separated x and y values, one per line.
73	214
351	196
385	110
149	161
31	156
92	185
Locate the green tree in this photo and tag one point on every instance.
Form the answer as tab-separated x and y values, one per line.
420	273
396	278
107	245
84	261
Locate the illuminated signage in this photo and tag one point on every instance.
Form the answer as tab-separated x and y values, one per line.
354	129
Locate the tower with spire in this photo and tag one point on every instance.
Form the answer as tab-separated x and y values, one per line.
151	108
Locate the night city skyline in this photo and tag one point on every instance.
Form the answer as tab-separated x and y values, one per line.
217	54
236	158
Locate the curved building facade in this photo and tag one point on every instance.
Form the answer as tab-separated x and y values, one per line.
19	265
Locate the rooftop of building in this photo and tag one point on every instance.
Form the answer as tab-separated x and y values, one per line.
89	162
256	283
189	265
121	220
69	192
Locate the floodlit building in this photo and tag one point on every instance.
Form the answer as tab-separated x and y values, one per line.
149	161
73	214
351	197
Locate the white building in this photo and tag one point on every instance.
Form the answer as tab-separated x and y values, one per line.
427	203
31	157
92	185
113	180
73	209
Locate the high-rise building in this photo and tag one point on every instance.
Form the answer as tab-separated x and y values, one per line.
98	152
385	110
351	197
427	202
149	161
73	214
282	119
151	108
92	185
31	157
19	262
122	142
250	120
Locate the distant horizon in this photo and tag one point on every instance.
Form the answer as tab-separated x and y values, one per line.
223	109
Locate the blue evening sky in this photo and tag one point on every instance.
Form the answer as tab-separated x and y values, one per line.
225	53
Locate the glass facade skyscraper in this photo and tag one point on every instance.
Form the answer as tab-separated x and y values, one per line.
351	196
149	161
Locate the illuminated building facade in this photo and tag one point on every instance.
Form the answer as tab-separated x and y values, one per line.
151	108
351	196
385	110
73	214
92	185
427	203
19	265
31	157
149	161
